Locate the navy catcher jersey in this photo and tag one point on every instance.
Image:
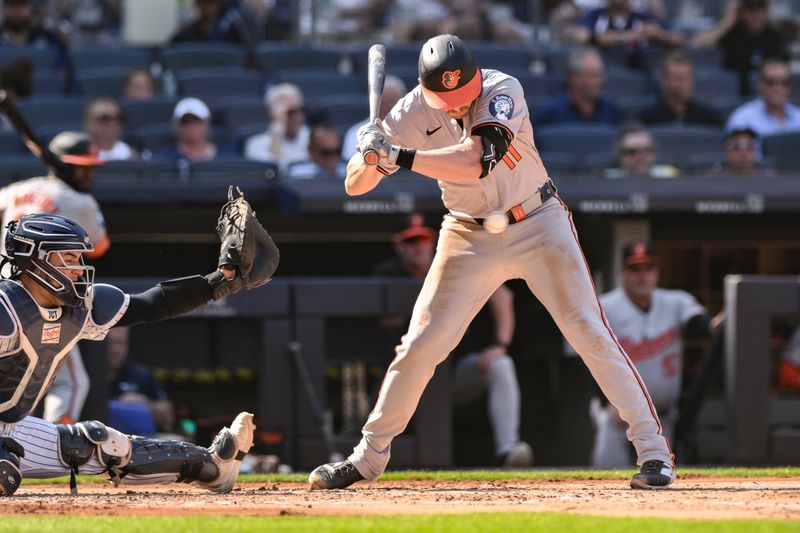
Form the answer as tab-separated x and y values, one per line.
34	341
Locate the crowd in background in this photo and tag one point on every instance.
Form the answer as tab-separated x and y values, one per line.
726	71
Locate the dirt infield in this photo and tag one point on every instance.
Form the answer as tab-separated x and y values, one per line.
690	498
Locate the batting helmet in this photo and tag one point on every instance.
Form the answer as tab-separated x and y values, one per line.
448	73
75	148
30	243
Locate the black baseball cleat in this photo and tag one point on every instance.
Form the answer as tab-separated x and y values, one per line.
334	476
653	475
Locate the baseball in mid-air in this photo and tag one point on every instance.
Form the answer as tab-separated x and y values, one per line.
496	222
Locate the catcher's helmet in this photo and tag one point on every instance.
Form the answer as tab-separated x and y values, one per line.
448	73
30	243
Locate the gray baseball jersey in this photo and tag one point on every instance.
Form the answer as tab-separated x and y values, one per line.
653	339
470	264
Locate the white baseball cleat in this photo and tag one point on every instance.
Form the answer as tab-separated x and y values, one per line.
228	449
520	455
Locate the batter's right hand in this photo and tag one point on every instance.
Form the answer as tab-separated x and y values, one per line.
373	140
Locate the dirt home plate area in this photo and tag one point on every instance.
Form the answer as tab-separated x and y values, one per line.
699	498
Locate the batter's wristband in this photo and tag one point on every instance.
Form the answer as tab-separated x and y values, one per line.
405	158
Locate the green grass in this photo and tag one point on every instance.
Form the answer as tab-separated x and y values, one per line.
495	475
485	522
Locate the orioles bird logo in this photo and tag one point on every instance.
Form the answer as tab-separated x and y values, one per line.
450	78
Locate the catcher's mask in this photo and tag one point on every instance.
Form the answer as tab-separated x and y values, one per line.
37	246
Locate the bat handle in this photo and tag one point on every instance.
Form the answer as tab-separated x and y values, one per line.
371	157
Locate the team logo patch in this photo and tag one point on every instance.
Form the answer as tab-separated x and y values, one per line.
450	78
51	333
502	107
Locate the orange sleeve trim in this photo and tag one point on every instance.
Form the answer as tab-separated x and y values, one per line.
514	153
508	161
100	248
510	133
382	171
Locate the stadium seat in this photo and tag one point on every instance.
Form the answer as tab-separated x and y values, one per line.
47	83
400	56
711	84
537	87
213	84
273	58
704	162
794	95
342	112
624	84
784	149
159	136
10	143
705	58
15	167
679	142
558	164
139	113
106	81
233	170
579	140
45	111
93	57
233	113
44	58
137	169
192	55
726	105
633	105
408	73
316	84
500	56
47	132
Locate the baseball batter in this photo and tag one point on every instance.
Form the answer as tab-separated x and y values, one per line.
47	305
63	191
650	324
470	130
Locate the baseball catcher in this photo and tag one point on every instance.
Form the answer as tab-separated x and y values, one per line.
49	302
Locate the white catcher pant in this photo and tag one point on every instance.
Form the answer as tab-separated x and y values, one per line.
39	438
500	381
470	264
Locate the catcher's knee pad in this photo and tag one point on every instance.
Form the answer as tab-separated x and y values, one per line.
78	442
160	456
10	476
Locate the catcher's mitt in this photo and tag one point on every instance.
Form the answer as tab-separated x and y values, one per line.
246	246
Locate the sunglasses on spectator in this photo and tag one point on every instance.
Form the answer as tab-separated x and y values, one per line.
637	150
108	117
772	82
741	144
295	110
641	267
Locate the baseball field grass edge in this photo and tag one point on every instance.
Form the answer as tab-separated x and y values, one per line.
459	523
495	475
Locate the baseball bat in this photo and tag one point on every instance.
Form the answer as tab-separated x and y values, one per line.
31	141
322	418
376	75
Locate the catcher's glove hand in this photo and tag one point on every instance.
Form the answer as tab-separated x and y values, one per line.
247	249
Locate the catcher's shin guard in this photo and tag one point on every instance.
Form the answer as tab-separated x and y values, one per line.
189	462
10	476
228	449
78	442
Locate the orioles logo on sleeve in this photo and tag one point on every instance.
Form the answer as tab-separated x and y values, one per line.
450	78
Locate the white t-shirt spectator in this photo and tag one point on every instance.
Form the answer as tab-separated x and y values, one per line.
257	148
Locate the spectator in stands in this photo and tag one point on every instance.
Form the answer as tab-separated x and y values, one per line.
583	101
325	152
139	85
771	112
89	21
650	323
216	20
746	37
565	16
136	399
102	121
286	140
618	26
676	104
484	364
192	122
740	149
393	90
16	79
19	28
636	156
